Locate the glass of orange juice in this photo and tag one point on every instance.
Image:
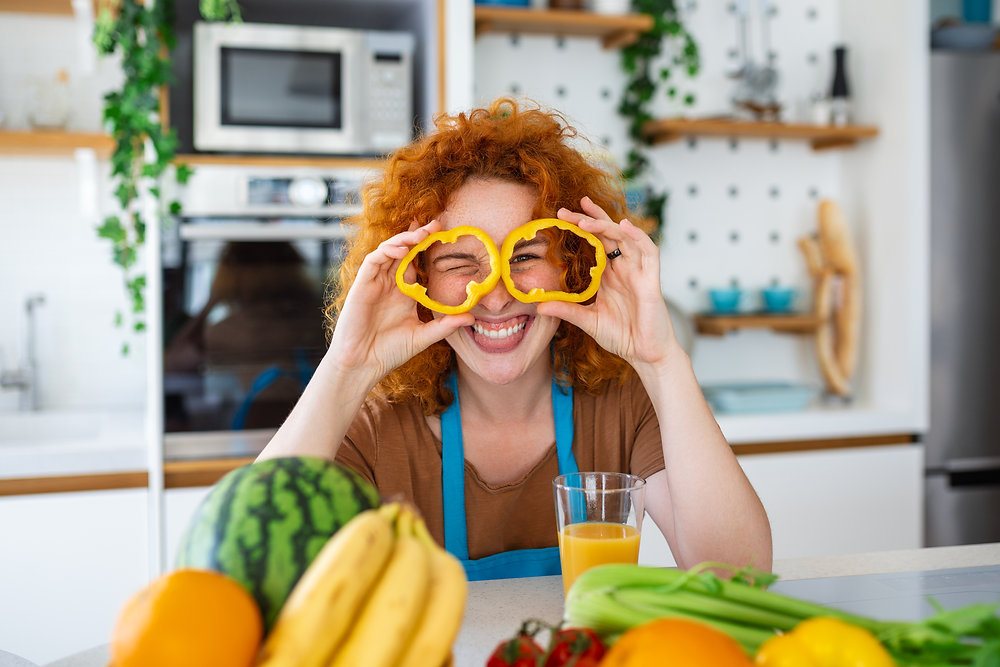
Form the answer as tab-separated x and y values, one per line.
599	516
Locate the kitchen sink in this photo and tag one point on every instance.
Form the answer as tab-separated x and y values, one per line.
71	427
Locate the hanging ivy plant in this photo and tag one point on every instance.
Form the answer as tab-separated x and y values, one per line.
651	65
142	34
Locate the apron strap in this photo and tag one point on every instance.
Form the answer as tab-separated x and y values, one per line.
456	539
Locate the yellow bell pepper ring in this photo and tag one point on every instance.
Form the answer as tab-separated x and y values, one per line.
527	232
474	290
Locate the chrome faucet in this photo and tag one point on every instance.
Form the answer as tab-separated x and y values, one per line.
25	379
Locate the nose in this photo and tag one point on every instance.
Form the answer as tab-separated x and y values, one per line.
497	299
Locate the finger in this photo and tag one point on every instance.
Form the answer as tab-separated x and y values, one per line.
588	206
440	328
413	236
582	317
389	252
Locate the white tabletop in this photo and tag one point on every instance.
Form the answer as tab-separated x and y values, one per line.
497	608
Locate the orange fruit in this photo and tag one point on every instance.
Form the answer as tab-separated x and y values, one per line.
676	642
189	618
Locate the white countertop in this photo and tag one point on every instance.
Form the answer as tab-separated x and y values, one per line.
496	608
84	442
71	442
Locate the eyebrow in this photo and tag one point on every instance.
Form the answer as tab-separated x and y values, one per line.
524	243
467	256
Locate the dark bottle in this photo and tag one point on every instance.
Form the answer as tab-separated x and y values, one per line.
840	95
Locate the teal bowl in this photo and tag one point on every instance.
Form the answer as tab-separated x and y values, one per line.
725	301
778	299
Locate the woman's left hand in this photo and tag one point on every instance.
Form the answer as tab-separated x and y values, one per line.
629	316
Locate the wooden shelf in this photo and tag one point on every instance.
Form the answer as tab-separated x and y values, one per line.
55	7
720	325
613	30
52	142
820	136
195	159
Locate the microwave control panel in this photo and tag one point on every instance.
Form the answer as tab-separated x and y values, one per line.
389	77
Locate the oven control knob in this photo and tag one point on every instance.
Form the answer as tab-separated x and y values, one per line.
307	192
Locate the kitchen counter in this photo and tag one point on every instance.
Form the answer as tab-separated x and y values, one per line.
496	608
52	452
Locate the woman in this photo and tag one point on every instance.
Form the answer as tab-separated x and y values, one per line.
383	399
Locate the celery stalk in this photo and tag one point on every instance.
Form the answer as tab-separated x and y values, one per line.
709	606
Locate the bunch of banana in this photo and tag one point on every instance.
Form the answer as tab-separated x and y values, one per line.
380	592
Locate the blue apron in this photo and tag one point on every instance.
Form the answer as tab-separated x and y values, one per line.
520	562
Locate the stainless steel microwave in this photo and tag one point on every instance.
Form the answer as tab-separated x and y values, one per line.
264	88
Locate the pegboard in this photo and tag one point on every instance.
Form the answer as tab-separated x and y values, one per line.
736	207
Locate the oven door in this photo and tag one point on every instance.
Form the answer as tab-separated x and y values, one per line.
273	88
244	322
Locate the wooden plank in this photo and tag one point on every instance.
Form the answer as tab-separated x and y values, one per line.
718	325
52	142
24	486
51	7
821	136
788	446
205	472
615	31
60	7
280	161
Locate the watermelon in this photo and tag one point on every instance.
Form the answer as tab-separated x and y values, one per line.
263	523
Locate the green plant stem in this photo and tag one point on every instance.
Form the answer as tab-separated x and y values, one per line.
142	34
648	69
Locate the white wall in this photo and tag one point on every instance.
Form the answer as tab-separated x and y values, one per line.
737	208
49	245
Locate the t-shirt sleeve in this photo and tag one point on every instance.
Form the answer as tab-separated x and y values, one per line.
646	457
358	450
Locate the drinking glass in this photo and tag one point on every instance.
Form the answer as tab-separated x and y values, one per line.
599	517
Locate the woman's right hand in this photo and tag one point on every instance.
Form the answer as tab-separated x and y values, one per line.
378	328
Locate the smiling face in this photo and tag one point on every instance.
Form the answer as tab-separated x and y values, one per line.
508	337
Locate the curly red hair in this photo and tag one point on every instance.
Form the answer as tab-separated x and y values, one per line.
508	141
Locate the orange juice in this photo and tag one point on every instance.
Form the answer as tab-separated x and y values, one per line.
584	545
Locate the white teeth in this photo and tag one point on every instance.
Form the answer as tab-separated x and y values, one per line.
498	333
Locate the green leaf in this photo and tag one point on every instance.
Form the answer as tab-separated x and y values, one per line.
183	173
112	229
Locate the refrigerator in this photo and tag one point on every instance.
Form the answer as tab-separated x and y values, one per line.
962	445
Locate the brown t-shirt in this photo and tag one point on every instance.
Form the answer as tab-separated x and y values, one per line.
392	446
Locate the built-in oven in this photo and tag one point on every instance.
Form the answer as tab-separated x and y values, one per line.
245	271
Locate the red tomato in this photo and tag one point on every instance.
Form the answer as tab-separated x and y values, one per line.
575	647
521	651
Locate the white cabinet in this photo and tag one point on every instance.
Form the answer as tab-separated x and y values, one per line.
841	501
830	502
68	563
